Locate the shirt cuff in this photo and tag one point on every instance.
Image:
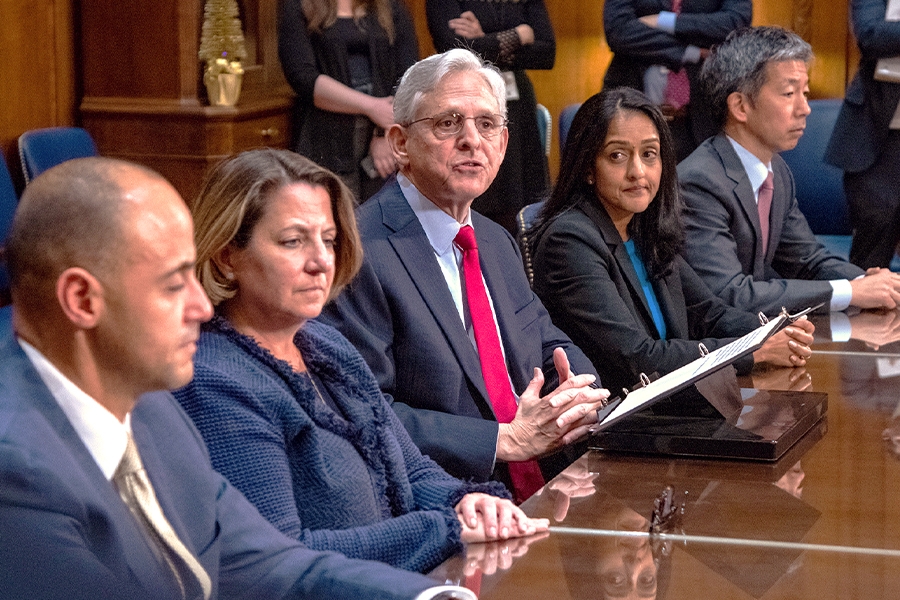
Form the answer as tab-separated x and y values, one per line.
840	327
841	294
666	21
691	55
457	591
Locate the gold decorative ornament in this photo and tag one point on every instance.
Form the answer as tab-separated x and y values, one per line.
222	49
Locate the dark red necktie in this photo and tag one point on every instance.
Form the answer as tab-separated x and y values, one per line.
526	476
678	87
764	206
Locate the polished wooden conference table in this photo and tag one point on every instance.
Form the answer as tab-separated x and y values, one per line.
822	522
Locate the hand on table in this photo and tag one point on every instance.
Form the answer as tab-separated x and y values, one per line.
790	347
486	518
879	288
543	424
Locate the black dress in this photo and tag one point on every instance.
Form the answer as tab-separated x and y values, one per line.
523	177
328	137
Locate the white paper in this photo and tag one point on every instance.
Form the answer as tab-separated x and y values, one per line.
693	371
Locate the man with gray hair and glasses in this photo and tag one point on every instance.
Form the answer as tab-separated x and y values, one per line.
442	310
746	236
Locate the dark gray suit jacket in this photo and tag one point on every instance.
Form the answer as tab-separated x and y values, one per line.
724	242
869	105
401	316
66	534
584	276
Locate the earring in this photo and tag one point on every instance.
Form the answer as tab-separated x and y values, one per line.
229	276
590	181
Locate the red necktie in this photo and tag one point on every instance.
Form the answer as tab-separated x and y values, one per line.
764	206
678	88
526	476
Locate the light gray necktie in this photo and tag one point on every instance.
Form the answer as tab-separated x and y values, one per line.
134	487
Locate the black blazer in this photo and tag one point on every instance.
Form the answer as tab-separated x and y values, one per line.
724	241
869	105
400	315
584	276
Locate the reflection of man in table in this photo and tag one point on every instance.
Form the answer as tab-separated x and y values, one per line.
612	566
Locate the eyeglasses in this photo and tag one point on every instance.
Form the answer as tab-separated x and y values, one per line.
449	124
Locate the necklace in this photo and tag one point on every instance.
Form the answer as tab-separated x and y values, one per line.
312	380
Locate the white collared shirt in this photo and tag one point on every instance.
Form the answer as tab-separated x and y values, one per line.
103	434
441	229
841	293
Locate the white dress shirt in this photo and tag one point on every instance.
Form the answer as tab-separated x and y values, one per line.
103	434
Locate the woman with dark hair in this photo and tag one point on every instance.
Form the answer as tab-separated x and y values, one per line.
343	59
606	253
290	412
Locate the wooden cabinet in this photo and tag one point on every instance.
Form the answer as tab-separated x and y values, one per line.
143	97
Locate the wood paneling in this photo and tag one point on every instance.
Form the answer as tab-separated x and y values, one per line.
582	54
37	82
40	88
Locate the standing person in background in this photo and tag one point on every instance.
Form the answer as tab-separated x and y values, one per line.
343	58
866	140
659	46
514	35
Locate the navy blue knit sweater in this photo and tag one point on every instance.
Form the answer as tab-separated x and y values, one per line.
353	483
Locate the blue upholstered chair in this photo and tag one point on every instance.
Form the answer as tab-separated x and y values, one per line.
40	149
820	187
8	201
545	127
565	122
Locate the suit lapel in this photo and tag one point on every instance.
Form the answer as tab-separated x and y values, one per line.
414	250
743	193
17	373
623	261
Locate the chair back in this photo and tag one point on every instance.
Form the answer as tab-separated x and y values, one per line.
524	222
545	127
820	186
565	122
8	202
41	149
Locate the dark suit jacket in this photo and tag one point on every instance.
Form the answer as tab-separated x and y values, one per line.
584	276
636	46
724	241
869	105
66	534
400	315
